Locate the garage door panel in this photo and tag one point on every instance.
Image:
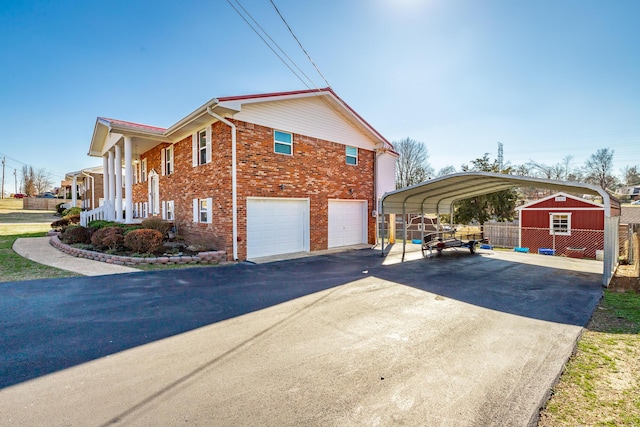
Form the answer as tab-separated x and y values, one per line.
347	223
276	226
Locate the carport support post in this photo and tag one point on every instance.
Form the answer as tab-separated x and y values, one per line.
404	229
381	210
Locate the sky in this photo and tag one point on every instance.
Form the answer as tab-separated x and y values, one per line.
546	78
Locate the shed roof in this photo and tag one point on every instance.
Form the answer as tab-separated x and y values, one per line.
438	195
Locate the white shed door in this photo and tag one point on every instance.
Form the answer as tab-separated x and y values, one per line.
277	226
347	222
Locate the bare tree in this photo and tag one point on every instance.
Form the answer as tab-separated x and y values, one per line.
598	169
631	175
412	166
446	170
42	181
28	181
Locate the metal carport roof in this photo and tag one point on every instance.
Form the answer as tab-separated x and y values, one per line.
438	195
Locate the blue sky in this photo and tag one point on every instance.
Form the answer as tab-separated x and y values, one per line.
547	78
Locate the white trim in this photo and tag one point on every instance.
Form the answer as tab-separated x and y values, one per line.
347	155
595	209
143	170
208	144
194	149
289	144
551	227
553	196
196	210
209	210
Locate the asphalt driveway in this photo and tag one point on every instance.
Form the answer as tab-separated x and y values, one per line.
339	339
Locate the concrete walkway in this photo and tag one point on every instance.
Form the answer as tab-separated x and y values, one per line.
39	249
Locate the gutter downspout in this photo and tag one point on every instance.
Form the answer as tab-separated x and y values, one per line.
234	189
93	190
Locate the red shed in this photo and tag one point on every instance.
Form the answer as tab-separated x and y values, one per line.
563	225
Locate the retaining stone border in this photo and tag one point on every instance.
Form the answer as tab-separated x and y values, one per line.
211	257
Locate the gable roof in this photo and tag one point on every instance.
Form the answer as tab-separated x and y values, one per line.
562	194
224	106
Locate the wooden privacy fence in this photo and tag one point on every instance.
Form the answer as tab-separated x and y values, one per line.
502	234
41	203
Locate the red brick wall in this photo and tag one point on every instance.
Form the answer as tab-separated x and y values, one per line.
317	170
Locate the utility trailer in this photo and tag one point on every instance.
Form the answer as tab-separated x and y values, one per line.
442	240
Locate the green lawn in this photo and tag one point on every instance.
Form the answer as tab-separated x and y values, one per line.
14	268
600	385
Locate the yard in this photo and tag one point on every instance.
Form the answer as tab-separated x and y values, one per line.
600	384
15	223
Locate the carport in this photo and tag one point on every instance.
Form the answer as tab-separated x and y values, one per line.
438	195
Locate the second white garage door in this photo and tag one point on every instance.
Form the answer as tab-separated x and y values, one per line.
347	222
277	226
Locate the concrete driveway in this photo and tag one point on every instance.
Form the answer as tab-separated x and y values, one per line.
341	339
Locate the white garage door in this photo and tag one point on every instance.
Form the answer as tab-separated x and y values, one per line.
277	226
347	222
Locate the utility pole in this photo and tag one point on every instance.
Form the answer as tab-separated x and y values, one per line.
3	162
15	181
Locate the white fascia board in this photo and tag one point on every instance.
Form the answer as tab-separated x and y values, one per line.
111	140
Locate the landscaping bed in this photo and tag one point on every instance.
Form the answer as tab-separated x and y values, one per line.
205	257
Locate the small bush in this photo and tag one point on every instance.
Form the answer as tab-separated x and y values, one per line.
75	234
156	224
60	208
71	211
108	238
73	219
144	240
101	223
59	224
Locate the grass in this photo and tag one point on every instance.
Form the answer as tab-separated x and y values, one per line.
600	385
17	223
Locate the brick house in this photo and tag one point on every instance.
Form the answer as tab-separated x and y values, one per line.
254	175
88	183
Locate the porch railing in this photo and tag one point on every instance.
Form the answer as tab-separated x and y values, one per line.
103	212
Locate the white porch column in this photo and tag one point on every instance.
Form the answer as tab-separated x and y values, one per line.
112	187
118	171
128	182
74	192
105	179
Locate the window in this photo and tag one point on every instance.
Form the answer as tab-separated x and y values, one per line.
143	171
202	210
560	224
167	160
352	155
168	210
202	147
144	210
283	142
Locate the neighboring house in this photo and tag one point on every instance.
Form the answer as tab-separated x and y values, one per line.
88	183
254	175
632	192
567	224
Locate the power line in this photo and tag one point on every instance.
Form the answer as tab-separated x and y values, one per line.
268	45
299	44
275	43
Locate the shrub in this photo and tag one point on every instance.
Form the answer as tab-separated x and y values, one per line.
75	234
60	224
73	219
60	208
71	211
101	223
108	238
144	240
157	224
